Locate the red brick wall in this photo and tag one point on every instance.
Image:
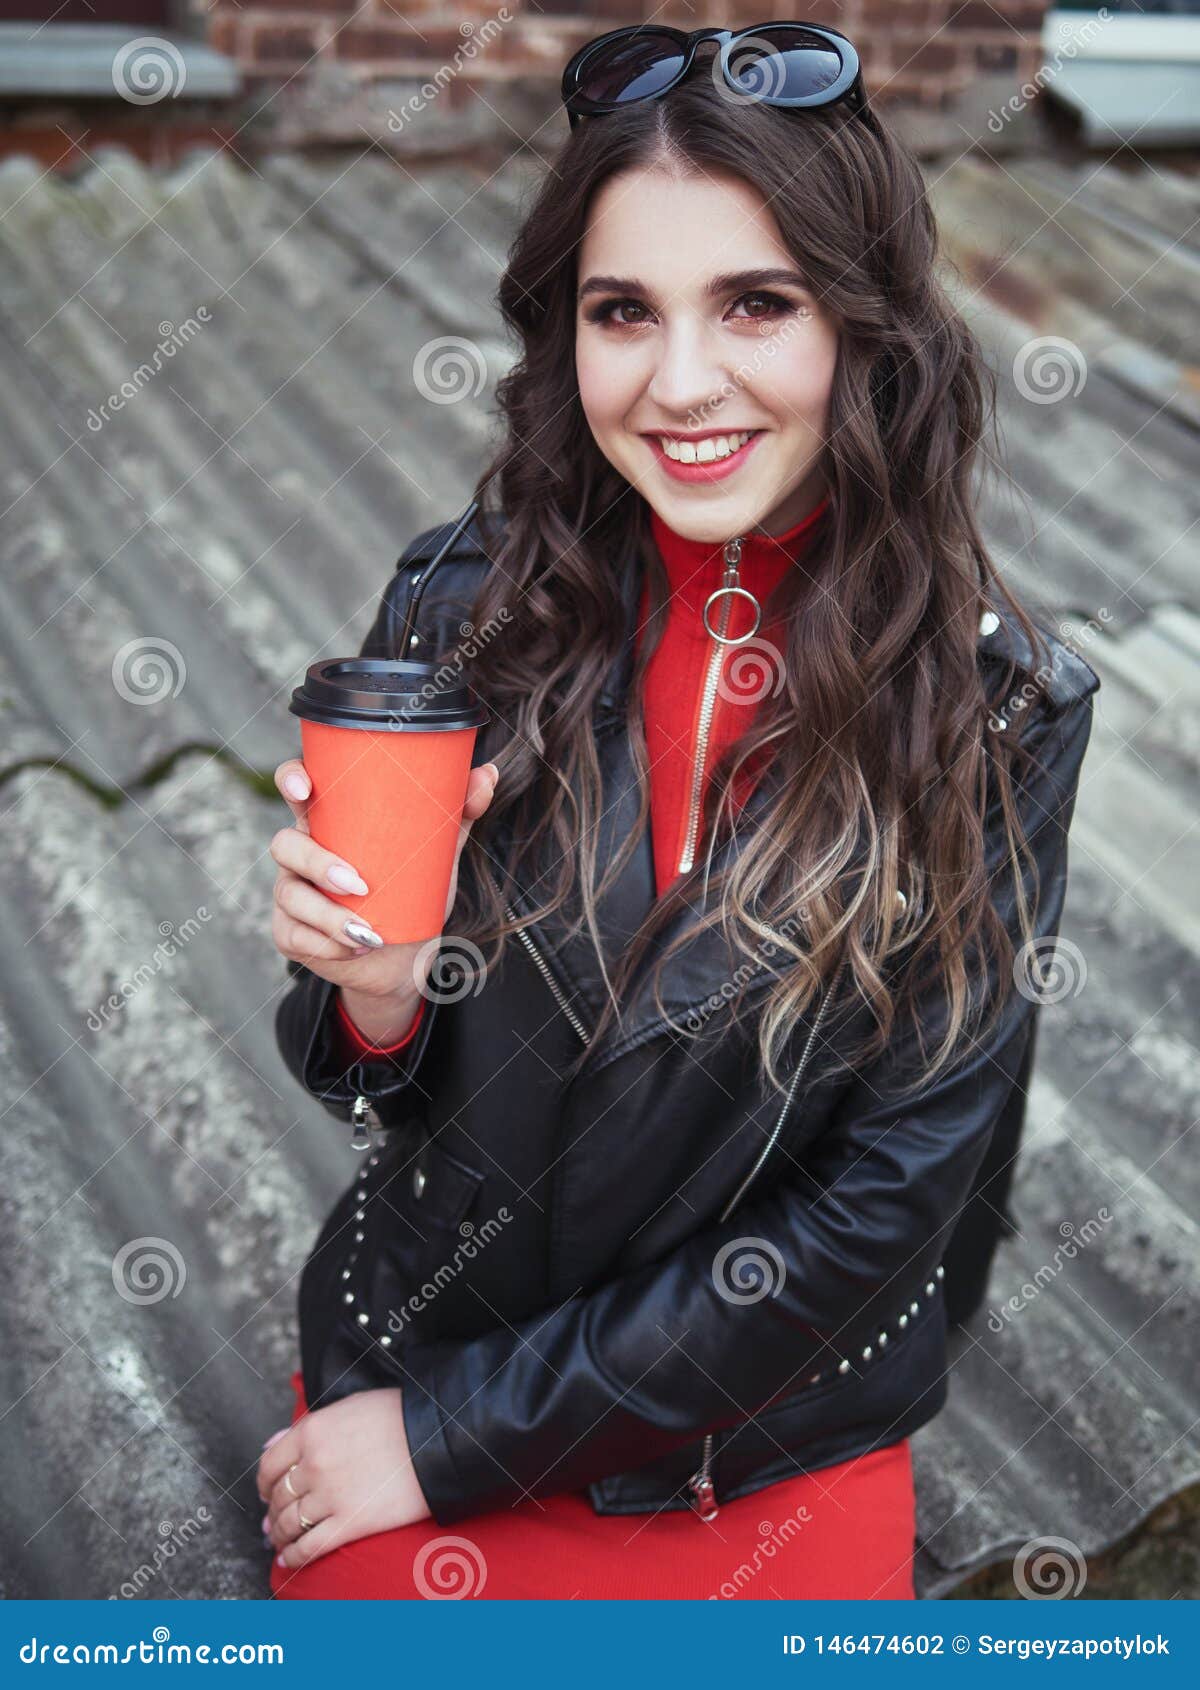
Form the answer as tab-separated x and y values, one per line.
920	52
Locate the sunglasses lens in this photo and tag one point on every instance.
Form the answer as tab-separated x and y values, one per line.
633	69
784	63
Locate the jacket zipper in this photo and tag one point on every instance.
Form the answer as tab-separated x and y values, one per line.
545	970
732	578
364	1115
701	1482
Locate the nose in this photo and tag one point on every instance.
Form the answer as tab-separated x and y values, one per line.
689	375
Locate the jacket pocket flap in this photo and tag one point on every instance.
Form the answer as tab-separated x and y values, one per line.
443	1186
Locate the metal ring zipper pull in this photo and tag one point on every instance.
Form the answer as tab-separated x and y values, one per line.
732	592
731	588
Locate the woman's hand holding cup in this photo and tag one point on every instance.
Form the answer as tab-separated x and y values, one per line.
308	925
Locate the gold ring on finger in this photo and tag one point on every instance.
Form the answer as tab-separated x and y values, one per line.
305	1524
287	1479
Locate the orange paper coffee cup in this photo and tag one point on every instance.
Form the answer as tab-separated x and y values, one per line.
388	751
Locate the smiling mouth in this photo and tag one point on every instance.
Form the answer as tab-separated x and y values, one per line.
712	449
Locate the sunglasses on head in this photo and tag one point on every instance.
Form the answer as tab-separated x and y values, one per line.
796	66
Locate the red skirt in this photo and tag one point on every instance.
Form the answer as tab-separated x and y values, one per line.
842	1531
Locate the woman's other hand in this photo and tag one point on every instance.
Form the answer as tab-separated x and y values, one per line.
351	1467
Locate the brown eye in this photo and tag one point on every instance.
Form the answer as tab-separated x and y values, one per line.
774	303
603	313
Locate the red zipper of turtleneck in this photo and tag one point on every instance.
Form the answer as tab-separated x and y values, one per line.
701	695
674	696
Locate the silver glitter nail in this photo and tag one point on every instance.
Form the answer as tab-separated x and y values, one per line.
361	933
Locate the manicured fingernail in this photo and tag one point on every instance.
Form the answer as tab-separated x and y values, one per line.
296	786
364	934
266	1522
275	1437
346	879
279	1561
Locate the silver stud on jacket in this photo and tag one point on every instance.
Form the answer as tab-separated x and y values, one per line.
902	1320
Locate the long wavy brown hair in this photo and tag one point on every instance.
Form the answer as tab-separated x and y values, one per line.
881	728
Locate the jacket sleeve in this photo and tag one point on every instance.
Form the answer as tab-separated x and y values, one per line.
312	1036
624	1374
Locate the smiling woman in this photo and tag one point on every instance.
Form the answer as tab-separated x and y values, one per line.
746	909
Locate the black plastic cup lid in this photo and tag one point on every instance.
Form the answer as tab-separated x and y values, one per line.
397	694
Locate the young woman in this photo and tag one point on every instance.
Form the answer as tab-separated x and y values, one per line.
640	1292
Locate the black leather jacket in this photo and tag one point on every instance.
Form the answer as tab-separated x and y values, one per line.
561	1277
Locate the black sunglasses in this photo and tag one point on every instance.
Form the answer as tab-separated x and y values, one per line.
798	66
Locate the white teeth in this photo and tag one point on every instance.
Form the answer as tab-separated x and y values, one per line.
704	451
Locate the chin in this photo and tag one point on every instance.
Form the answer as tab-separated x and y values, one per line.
697	515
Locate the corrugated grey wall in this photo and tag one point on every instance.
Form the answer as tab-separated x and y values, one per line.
170	566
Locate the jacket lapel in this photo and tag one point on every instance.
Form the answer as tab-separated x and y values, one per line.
698	979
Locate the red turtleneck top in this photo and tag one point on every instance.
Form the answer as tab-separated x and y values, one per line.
840	1531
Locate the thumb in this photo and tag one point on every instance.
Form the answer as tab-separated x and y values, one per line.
480	789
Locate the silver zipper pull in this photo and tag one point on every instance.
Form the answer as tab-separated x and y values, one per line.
733	560
731	588
704	1499
364	1115
704	1496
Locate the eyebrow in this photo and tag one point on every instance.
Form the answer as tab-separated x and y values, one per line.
741	281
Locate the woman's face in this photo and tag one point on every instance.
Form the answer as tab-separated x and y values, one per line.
692	323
